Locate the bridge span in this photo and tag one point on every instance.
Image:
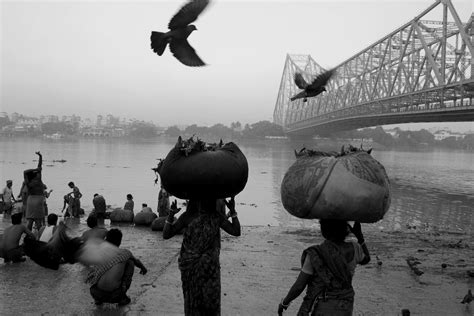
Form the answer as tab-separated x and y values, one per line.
421	72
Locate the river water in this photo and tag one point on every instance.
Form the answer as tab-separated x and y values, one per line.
432	189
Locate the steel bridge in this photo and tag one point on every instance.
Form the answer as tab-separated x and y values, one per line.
421	72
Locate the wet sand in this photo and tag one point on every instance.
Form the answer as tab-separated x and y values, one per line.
257	269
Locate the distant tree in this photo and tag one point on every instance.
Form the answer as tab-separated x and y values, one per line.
468	142
142	129
262	129
220	130
173	131
423	136
352	134
380	136
199	131
377	134
450	142
407	138
235	125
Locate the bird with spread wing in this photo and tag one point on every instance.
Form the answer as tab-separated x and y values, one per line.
314	88
177	36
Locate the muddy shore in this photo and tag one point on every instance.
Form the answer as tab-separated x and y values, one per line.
257	269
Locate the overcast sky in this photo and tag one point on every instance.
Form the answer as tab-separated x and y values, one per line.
94	57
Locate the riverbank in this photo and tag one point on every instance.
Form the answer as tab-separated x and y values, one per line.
257	269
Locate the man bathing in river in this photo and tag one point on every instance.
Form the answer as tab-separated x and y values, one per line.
75	202
12	251
112	279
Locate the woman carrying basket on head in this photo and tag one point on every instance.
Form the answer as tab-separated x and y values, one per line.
327	271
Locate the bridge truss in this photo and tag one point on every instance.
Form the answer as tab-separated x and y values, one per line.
421	72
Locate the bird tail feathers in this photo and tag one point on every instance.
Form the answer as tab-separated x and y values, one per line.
158	42
300	95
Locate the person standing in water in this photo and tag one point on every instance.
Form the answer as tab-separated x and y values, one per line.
35	202
8	198
76	201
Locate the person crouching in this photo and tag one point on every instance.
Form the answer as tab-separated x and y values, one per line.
112	279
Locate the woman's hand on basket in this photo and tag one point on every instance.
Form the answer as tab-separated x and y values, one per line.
356	229
174	207
230	205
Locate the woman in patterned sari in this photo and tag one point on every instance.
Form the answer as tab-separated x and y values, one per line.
199	255
327	271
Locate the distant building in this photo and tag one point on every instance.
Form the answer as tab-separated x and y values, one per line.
49	119
445	133
15	117
99	121
96	132
111	121
86	123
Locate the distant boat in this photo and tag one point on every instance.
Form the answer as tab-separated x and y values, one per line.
54	136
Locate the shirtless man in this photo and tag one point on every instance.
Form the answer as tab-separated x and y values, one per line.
112	279
75	206
95	230
8	198
12	251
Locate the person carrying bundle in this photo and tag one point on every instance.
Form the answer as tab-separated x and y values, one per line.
200	250
327	270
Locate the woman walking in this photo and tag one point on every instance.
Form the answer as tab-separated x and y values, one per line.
327	271
200	250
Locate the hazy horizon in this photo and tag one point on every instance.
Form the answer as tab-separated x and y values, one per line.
89	58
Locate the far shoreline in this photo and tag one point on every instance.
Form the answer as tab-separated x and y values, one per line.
316	142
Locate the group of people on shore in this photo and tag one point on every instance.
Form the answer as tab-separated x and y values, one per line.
326	272
33	197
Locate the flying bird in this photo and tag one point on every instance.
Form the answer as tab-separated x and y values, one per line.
177	36
314	88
